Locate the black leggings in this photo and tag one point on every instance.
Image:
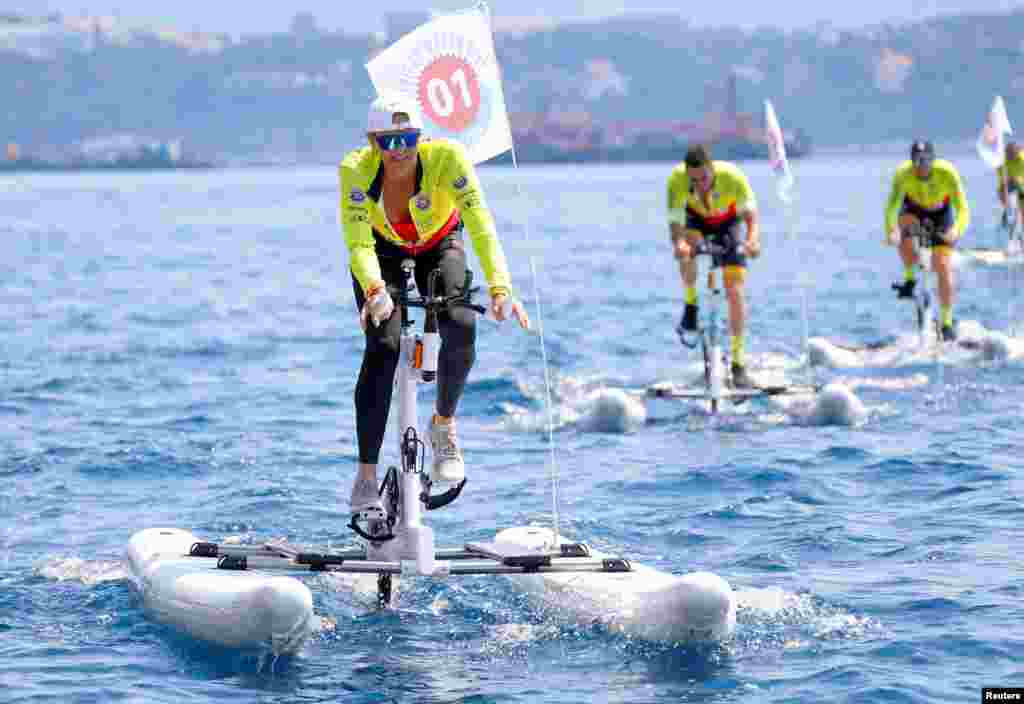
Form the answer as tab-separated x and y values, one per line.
458	340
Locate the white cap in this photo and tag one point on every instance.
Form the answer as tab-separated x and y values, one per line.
382	113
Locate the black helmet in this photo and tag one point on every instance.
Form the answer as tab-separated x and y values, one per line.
922	148
698	156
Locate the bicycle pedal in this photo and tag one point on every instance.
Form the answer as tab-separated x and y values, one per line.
377	528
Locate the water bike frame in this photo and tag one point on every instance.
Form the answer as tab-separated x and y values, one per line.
1012	225
709	332
406	492
397	541
924	314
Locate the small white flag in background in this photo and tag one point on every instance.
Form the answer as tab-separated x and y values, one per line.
992	140
777	154
449	67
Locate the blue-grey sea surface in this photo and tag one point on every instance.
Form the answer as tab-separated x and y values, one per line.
181	349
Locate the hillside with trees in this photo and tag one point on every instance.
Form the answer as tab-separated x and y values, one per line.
302	94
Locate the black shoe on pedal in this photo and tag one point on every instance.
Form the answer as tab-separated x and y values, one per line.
948	333
740	378
689	322
906	289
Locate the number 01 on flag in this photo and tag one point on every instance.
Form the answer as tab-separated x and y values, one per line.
449	67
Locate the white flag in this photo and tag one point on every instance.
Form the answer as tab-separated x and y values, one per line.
992	140
449	67
777	154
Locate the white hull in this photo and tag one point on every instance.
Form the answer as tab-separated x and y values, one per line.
231	608
644	603
972	338
991	257
250	609
667	400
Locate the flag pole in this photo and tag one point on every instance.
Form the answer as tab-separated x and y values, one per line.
784	188
997	127
554	471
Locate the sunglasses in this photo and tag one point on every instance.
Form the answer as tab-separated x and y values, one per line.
404	140
923	160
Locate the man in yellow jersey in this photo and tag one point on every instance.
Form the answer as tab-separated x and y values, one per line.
1011	180
709	199
407	198
927	193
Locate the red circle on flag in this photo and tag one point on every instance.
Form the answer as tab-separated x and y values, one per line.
449	93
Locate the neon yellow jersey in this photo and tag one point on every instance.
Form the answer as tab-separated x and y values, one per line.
1015	169
446	183
942	187
730	195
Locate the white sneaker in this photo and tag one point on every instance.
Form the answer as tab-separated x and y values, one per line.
365	497
448	464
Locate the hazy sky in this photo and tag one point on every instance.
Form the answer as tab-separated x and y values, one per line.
237	17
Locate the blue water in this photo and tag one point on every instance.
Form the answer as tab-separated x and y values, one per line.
181	349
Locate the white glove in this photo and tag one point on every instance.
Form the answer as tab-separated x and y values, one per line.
504	306
892	238
377	308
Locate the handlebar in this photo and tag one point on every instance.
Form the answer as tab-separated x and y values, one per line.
705	249
433	304
726	244
918	231
921	235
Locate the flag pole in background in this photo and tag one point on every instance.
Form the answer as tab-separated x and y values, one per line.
991	142
784	188
450	68
991	146
777	155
